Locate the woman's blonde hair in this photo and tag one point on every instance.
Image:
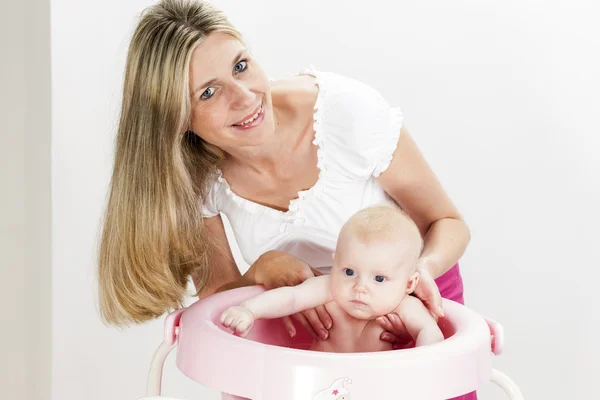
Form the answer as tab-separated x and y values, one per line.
152	238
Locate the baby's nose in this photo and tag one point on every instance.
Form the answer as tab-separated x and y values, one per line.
360	287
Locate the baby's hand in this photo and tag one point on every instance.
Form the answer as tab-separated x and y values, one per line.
239	319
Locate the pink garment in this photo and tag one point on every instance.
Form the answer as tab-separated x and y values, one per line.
451	287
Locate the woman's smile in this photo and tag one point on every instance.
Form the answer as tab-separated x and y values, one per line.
252	121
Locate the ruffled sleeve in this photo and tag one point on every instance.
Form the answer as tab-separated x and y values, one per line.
209	205
362	127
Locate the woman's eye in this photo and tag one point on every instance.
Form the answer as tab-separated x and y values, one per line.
349	272
241	66
379	278
207	94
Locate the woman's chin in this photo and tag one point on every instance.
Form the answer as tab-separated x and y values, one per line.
253	136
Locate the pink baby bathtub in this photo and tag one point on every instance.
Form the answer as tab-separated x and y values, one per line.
269	365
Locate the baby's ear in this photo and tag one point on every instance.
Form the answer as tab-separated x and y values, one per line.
412	283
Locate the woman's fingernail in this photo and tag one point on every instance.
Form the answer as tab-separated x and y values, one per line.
291	332
385	337
324	334
328	324
441	311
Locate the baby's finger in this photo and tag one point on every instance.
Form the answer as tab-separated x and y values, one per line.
241	332
228	319
243	328
304	322
324	317
289	326
234	323
316	323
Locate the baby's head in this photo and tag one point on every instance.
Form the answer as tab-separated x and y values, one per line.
374	265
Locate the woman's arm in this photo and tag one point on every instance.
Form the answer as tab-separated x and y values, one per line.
224	273
414	186
272	269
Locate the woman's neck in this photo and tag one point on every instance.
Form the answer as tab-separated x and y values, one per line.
274	157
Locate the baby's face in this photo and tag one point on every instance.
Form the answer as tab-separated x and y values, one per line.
369	281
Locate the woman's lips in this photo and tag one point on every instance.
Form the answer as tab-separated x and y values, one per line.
259	109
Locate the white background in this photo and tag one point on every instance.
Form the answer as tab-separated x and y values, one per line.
502	97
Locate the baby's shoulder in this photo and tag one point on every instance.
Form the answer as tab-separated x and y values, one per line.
409	304
412	310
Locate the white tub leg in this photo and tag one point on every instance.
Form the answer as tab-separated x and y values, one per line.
153	385
509	387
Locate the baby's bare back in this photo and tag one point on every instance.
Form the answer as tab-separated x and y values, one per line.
348	335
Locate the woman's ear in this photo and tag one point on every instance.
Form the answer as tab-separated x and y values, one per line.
412	283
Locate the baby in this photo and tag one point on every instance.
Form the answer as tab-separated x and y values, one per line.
373	273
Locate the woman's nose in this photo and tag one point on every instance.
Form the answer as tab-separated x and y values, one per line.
243	98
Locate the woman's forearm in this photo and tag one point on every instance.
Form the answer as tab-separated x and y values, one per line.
445	242
250	278
245	280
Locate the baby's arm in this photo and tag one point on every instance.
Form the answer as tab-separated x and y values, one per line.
279	302
419	323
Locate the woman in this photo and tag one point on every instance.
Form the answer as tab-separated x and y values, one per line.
204	132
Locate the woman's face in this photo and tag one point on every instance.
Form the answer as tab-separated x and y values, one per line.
230	95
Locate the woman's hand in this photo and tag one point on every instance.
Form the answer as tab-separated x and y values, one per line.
275	269
428	292
395	332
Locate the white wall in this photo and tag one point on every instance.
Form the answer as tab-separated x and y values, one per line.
25	200
13	372
501	97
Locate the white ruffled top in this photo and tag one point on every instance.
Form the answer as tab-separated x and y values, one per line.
356	132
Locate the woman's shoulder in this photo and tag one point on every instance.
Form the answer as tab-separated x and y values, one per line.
346	97
351	98
352	120
356	123
296	93
211	194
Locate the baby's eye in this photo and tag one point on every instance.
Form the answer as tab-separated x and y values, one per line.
207	94
349	272
379	278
